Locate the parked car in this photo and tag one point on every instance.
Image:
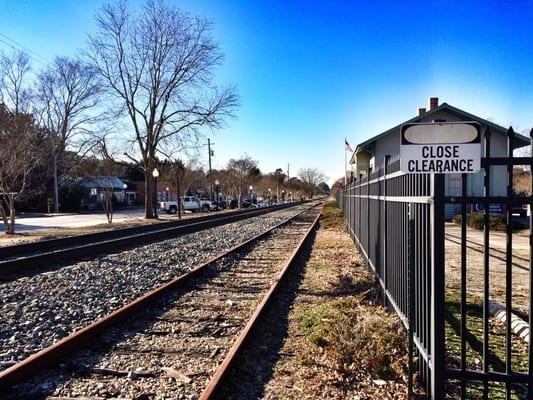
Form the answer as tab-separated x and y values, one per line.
188	203
222	204
232	203
207	205
191	203
520	210
171	207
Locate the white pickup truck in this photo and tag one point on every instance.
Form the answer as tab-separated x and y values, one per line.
207	205
188	203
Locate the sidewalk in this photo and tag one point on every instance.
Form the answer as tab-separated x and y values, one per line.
43	222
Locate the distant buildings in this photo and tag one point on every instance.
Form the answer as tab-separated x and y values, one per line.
93	190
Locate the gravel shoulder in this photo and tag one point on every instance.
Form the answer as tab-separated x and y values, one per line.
171	349
325	335
38	310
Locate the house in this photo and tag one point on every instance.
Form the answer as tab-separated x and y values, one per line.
370	155
93	189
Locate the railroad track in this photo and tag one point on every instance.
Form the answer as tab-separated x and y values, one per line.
17	259
183	344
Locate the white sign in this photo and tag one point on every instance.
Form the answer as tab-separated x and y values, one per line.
440	148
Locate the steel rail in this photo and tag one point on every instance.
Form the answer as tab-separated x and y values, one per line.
51	355
82	247
216	382
49	244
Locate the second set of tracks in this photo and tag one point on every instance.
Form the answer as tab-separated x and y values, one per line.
177	341
31	257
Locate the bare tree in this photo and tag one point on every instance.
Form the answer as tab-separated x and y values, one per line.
67	95
311	176
181	176
158	63
108	189
14	86
242	172
23	150
104	171
337	185
280	178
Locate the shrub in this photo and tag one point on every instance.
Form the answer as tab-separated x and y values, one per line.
477	221
331	216
69	193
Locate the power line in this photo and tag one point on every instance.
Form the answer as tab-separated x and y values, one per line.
24	47
36	57
29	55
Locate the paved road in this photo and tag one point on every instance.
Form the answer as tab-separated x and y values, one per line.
496	239
28	224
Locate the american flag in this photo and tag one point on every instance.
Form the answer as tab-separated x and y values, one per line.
347	146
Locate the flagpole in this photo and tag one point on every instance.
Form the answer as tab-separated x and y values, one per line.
345	161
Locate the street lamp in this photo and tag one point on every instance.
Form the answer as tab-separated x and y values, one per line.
283	196
167	193
251	195
290	197
218	198
155	174
269	197
125	200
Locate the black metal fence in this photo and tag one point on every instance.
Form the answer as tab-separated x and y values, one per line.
397	221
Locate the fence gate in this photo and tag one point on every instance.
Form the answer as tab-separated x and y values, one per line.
452	287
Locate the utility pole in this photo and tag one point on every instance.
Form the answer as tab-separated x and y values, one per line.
210	180
56	192
178	189
288	169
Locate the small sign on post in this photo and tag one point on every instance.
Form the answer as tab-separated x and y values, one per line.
440	148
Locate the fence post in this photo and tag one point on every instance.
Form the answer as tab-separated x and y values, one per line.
437	288
530	205
411	300
385	226
359	214
369	171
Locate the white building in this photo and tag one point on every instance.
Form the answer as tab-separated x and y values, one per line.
370	155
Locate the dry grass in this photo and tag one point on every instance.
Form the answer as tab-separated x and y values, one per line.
331	216
346	345
358	336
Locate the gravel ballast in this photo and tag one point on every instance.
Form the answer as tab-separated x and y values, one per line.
38	310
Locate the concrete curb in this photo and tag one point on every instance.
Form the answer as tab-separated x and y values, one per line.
518	325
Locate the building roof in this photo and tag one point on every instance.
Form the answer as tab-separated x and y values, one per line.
102	181
520	140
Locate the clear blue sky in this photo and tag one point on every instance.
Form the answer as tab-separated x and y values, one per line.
311	73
